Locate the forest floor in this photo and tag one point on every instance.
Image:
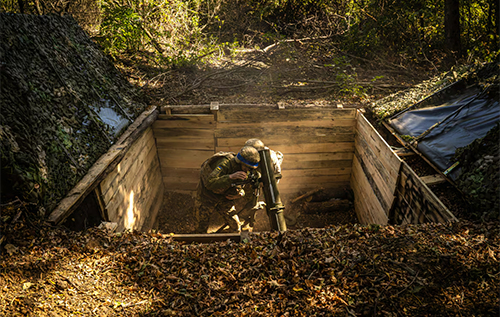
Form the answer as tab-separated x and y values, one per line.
323	267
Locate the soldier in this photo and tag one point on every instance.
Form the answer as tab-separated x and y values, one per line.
276	157
215	190
247	210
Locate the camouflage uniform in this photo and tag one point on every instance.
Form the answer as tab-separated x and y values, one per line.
213	187
277	159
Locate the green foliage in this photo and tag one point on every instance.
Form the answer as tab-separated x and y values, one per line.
121	29
168	29
176	30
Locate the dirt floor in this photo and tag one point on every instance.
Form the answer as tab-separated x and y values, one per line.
177	215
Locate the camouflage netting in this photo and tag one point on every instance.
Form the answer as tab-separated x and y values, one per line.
480	175
481	74
63	104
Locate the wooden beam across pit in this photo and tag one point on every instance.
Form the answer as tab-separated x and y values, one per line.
211	237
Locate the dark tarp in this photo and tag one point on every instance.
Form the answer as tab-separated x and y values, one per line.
465	118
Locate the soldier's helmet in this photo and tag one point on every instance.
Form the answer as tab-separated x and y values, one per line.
249	156
256	143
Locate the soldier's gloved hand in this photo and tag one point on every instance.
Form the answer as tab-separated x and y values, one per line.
238	175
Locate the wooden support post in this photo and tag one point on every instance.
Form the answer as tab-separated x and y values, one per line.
214	106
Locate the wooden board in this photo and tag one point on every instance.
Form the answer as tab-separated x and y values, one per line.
287	165
351	122
183	158
380	148
318	181
296	188
383	188
135	156
132	176
180	172
307	157
367	206
276	142
375	174
416	203
139	154
433	179
181	179
290	133
185	121
169	186
183	133
131	196
155	208
186	144
300	148
149	196
242	115
316	172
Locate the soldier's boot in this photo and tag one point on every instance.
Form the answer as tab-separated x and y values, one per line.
234	223
231	219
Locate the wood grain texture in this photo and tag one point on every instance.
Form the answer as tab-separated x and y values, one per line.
367	206
287	134
379	147
183	158
138	151
185	121
284	115
416	203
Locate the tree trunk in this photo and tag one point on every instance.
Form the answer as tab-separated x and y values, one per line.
21	6
452	25
495	17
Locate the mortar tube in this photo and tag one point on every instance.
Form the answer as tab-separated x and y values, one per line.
274	207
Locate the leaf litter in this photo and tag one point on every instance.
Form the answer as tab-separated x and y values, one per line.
344	270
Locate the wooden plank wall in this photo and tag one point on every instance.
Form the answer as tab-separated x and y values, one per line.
184	142
323	147
133	192
374	175
416	203
317	144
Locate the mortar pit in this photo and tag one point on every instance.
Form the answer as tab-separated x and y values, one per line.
336	170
